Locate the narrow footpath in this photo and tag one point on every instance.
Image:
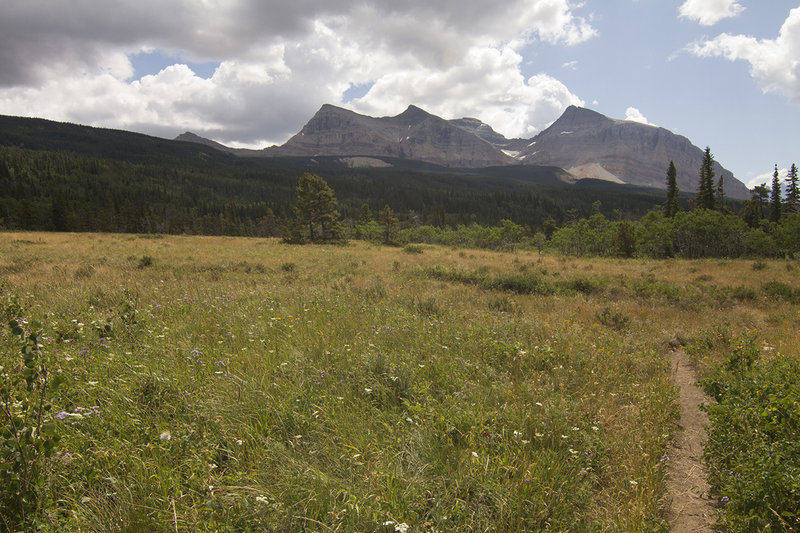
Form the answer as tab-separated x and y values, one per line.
691	510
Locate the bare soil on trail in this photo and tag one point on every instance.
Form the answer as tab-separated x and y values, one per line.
691	509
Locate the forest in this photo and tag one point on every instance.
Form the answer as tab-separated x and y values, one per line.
62	177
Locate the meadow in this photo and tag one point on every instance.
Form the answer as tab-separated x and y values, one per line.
242	384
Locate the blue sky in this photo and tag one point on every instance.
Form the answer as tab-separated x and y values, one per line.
724	73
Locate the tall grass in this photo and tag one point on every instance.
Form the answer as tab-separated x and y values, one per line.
361	389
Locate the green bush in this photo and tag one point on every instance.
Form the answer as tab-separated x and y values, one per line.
781	291
753	448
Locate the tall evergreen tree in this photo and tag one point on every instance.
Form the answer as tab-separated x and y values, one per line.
792	202
672	206
719	195
316	208
705	192
775	198
389	223
365	215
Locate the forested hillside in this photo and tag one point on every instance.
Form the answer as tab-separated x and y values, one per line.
73	178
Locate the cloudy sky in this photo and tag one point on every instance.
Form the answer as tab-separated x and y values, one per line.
725	73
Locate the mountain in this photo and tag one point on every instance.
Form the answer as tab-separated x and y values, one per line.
590	145
587	144
413	134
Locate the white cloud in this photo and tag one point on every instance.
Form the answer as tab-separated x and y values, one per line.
709	12
279	61
766	178
489	80
773	62
635	115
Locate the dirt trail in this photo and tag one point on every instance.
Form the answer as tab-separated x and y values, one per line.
691	510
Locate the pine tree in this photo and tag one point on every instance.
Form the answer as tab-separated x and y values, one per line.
792	191
316	208
389	223
705	191
365	215
672	206
775	198
719	195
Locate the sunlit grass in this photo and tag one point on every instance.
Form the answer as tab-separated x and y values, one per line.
250	385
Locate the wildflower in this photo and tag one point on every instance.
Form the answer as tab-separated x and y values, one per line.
475	455
633	483
165	436
262	499
399	528
725	499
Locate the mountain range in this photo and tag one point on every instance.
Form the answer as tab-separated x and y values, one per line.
586	144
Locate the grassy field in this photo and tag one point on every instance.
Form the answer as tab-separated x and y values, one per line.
233	384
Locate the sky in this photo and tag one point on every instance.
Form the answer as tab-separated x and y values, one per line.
251	73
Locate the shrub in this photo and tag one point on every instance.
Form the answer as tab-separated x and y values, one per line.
613	318
501	304
781	291
412	249
753	450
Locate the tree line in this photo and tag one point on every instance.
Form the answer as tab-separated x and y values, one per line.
71	191
708	228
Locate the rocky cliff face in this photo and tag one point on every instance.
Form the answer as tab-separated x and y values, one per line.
583	142
413	134
587	143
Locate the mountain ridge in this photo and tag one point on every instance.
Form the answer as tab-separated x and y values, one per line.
634	153
583	142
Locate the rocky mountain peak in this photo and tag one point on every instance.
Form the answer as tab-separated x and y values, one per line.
413	115
591	145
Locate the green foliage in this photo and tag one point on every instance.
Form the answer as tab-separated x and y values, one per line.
708	233
625	239
754	442
595	235
792	203
145	261
29	431
390	225
613	318
775	203
787	234
705	198
672	205
316	209
654	235
781	291
413	249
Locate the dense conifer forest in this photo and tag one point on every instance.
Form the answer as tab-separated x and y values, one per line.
63	177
